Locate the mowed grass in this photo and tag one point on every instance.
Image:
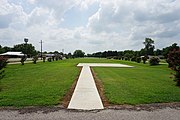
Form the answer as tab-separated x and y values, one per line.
37	84
45	84
139	85
41	84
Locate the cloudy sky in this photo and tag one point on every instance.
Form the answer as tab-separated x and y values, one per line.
89	25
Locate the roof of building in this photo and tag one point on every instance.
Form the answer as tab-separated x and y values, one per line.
13	54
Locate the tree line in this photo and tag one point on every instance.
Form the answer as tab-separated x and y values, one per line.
149	49
30	51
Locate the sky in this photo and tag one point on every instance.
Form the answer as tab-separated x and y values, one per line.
89	25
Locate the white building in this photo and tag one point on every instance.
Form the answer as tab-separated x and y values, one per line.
12	54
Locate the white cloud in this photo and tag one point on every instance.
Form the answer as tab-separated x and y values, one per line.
135	20
84	4
117	25
31	1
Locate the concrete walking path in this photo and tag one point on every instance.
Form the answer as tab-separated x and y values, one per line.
86	95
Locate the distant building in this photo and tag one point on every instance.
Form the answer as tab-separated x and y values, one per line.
49	55
13	54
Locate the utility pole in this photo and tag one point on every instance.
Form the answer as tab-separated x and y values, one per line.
41	48
26	41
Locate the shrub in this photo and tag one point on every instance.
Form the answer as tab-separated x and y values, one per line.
109	57
126	58
169	64
115	57
174	61
3	63
49	59
144	59
44	58
138	59
122	58
66	57
154	61
61	57
57	58
53	58
119	57
35	58
133	58
23	59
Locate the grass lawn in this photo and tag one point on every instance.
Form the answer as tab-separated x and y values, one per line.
46	83
37	84
138	85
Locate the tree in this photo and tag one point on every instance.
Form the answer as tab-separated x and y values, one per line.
174	61
158	52
78	53
28	49
166	50
120	53
56	52
154	61
69	55
4	49
149	47
142	52
144	58
1	49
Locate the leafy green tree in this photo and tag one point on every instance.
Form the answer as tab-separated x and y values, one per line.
4	49
165	51
78	53
28	49
56	52
1	49
149	47
128	55
142	52
69	55
158	52
120	53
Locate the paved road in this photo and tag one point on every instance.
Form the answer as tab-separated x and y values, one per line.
108	114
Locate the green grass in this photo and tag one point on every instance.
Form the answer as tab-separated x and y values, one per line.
45	84
139	85
36	84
